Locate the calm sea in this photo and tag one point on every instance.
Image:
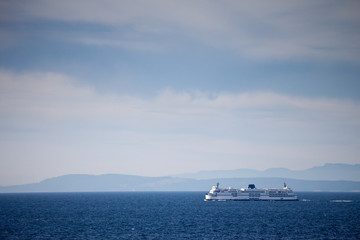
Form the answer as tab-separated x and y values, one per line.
176	215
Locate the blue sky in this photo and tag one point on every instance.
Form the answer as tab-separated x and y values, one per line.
166	87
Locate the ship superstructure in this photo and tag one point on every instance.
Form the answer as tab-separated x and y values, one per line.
250	193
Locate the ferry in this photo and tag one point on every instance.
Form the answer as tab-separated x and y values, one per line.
250	193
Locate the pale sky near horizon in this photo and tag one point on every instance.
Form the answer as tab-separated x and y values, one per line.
156	88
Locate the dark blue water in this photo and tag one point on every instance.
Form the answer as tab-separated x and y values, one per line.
176	215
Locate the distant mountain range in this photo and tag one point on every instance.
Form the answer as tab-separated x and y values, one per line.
120	182
330	177
329	171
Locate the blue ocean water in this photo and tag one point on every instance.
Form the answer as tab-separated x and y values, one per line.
176	215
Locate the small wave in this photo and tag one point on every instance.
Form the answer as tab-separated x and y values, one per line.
305	200
341	201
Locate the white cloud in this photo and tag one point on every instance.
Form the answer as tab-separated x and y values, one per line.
50	119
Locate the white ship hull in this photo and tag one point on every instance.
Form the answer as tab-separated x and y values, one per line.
246	198
250	194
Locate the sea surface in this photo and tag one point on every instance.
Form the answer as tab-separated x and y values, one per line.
176	215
